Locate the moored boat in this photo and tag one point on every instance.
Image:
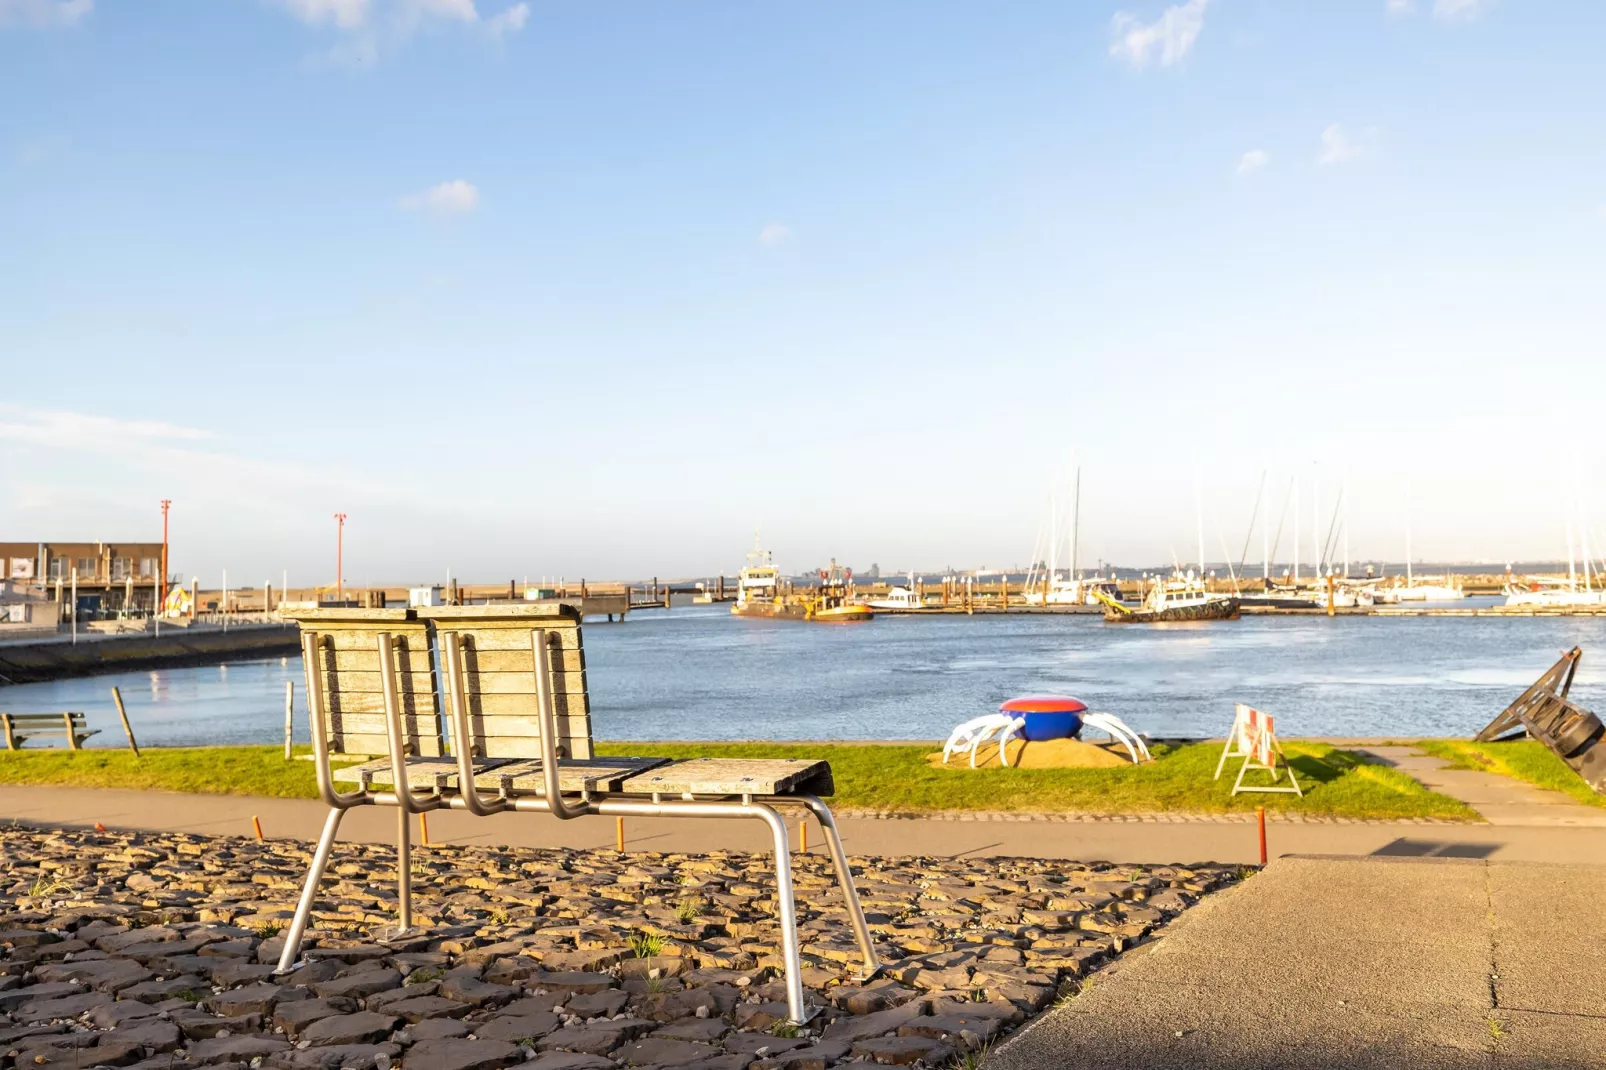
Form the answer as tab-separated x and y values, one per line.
1180	598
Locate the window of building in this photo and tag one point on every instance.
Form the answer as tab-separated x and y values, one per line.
149	566
122	567
58	568
86	568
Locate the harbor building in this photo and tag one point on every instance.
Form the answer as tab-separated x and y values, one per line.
111	576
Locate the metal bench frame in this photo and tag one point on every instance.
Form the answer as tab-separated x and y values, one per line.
467	796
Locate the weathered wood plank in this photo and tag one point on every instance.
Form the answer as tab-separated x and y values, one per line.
358	680
512	638
372	742
735	776
411	637
426	773
596	774
521	659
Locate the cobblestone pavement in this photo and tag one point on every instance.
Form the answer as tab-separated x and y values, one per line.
155	951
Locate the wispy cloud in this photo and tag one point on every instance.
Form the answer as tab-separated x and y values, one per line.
457	197
369	26
1170	36
59	428
1339	145
1252	161
774	234
44	14
1397	8
1460	10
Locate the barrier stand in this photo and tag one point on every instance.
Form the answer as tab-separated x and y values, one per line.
1245	723
1266	755
423	829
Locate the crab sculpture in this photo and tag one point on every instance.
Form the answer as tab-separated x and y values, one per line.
1039	717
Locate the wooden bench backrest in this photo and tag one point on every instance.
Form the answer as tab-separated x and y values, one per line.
344	675
499	676
45	720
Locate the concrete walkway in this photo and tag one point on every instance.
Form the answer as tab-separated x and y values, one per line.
1113	841
1501	800
1424	963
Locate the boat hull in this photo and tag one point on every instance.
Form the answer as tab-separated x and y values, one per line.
1223	609
771	610
842	615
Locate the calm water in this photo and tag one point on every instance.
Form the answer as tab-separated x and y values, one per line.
699	673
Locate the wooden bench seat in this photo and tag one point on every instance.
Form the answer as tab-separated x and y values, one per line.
21	727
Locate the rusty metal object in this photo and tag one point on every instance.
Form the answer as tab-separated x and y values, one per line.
1572	733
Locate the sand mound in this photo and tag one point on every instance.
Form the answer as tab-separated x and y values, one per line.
1045	754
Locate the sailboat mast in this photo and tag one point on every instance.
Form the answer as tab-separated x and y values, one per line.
1198	508
1076	519
1583	535
1572	573
1296	531
1265	544
1316	523
1053	544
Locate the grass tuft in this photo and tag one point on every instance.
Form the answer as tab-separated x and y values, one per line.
1523	759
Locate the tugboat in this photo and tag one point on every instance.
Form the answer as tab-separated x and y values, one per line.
833	604
1181	598
758	591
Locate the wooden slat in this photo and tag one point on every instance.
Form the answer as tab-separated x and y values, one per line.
352	680
421	772
521	659
504	638
412	703
578	746
412	638
735	776
596	774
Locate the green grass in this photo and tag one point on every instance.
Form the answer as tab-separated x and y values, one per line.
887	777
1522	759
875	777
207	770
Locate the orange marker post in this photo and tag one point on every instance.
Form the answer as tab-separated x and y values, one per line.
619	833
803	833
1260	819
256	823
423	829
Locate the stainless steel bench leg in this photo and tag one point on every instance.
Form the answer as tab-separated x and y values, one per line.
844	876
404	871
320	862
797	1012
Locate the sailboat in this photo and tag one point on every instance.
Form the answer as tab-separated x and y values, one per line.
1046	586
1436	589
1183	596
1553	592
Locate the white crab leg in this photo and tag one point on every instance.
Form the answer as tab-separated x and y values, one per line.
1120	732
964	735
996	723
1003	740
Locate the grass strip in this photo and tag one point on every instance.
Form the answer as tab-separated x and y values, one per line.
1521	759
1338	783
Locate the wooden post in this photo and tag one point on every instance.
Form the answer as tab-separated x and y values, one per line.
1003	591
117	697
803	834
11	740
423	829
289	715
72	735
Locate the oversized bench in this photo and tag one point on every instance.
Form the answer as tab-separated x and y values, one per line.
513	679
20	727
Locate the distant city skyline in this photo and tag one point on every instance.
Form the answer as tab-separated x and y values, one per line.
597	290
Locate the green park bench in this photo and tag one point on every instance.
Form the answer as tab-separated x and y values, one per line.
20	727
513	680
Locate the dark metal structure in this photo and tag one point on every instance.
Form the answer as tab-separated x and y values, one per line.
1544	712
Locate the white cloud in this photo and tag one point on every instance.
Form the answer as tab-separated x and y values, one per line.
1171	35
1396	8
1252	161
57	428
457	197
510	21
1455	10
370	24
44	14
1338	145
774	234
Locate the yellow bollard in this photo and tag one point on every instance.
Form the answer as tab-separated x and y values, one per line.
423	829
619	833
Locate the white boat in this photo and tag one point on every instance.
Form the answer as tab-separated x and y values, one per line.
904	598
1545	591
1048	584
1415	591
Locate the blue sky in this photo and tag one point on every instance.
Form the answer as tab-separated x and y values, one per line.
595	288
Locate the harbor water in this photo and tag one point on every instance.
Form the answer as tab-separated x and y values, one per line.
699	673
